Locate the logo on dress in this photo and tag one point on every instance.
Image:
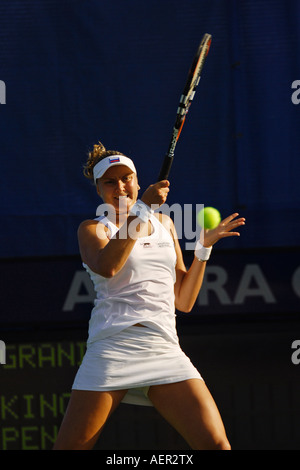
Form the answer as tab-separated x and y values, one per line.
164	244
146	244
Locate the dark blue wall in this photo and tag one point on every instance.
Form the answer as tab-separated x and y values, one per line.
81	71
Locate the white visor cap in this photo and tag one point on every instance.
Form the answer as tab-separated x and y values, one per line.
101	167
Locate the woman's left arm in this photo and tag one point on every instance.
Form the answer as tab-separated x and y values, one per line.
188	282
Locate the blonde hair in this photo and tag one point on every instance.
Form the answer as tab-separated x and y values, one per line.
98	153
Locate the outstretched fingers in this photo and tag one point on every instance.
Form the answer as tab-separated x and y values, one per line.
231	223
226	228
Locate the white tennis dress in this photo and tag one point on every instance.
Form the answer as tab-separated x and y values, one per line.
123	356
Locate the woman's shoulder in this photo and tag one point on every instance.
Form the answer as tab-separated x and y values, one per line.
91	225
163	218
166	221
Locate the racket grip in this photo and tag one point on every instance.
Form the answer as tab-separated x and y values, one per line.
165	169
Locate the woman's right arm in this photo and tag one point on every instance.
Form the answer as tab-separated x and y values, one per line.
104	256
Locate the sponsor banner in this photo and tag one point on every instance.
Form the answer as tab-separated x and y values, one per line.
58	290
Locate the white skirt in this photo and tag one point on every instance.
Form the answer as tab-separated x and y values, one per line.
134	359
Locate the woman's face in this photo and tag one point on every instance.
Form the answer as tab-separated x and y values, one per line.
118	187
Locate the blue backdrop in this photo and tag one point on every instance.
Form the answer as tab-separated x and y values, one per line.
81	71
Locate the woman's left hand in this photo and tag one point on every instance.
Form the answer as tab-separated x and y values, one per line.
223	230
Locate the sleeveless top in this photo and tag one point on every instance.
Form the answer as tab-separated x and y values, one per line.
141	292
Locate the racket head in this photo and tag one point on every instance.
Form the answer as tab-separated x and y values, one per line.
185	102
192	81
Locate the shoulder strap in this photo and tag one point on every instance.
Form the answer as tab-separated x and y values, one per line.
105	221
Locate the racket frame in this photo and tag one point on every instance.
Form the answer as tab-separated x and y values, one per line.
186	99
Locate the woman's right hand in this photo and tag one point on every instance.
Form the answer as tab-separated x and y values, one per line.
156	194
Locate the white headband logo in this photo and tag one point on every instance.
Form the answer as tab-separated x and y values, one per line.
101	167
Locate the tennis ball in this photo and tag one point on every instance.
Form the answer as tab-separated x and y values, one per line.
209	218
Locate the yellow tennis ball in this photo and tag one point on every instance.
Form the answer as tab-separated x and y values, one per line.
209	218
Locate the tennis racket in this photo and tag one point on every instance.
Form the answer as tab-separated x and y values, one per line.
185	102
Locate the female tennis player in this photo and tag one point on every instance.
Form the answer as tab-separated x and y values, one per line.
133	354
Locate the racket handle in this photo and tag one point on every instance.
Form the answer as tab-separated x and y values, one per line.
166	166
